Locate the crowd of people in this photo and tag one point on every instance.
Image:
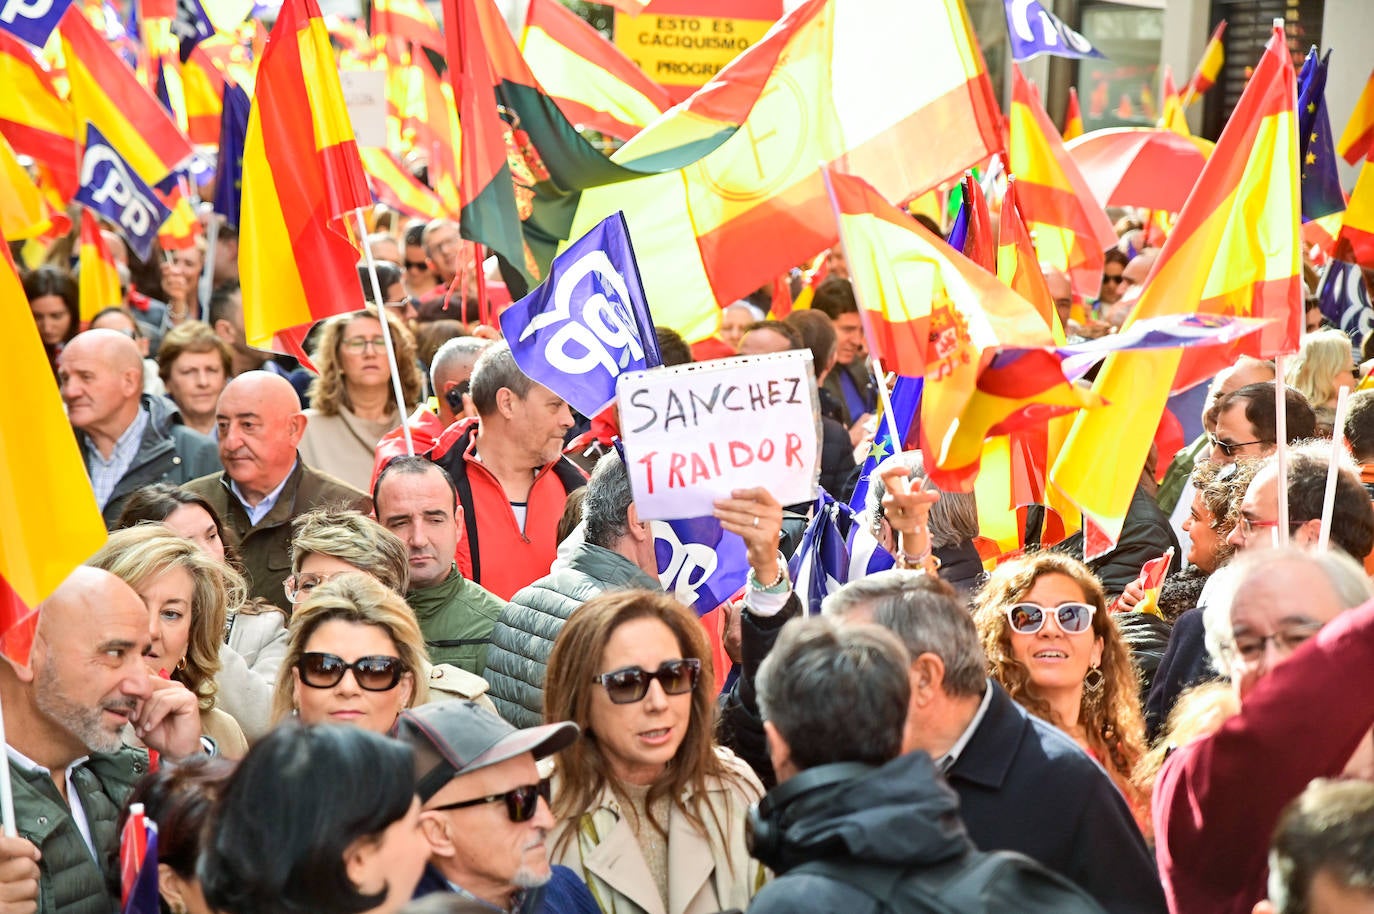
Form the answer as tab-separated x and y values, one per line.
341	677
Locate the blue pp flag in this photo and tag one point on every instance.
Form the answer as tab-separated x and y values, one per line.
1034	30
32	20
834	551
588	323
110	187
1321	184
233	127
906	409
1345	300
191	26
699	562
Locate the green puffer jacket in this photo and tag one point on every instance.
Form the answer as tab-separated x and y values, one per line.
70	881
522	640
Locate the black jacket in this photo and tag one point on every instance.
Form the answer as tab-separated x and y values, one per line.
1185	664
1145	534
168	452
837	459
1025	786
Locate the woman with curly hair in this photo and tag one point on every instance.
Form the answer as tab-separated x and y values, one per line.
1053	646
647	784
352	403
185	592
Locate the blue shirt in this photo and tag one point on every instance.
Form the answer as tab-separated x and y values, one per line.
105	474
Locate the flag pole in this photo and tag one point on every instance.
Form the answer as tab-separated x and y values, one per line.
6	789
875	362
1332	469
205	285
1280	442
483	305
386	332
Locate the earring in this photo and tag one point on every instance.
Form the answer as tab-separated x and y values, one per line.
1093	684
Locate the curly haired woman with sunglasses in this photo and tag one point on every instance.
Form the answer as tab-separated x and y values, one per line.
647	786
1053	646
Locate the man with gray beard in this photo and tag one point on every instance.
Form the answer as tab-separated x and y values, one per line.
65	716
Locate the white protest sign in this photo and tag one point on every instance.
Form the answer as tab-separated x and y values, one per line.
364	93
693	433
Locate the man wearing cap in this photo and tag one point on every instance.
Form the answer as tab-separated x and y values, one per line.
484	810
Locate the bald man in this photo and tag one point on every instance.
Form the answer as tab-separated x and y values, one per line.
265	485
128	439
65	726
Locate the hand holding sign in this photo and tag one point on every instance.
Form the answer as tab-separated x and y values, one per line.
756	517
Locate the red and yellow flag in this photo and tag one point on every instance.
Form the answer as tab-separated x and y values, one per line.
1071	230
24	209
108	94
397	187
1355	241
398	26
1171	115
97	281
594	84
1358	137
1073	117
1234	250
934	313
301	175
1017	263
860	84
1209	67
37	121
49	522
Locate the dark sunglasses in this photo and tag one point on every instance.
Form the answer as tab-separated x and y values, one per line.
1029	618
374	674
417	264
631	684
1113	279
521	802
1229	448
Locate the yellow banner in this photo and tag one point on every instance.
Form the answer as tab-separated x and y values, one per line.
685	50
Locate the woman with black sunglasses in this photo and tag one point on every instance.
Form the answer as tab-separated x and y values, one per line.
647	784
1053	646
355	656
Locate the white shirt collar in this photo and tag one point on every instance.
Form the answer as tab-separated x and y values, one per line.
946	761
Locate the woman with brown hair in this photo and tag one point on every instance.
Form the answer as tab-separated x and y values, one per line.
185	592
1052	645
647	785
352	403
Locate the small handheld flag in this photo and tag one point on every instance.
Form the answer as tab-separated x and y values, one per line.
1034	30
138	864
588	323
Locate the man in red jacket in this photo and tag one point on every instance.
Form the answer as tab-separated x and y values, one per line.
512	478
1302	663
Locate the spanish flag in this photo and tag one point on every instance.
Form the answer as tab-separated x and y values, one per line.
1355	241
1171	116
861	84
49	522
1071	230
1017	263
971	234
398	26
37	121
97	281
301	175
398	188
1358	137
592	81
1209	67
929	311
108	94
1073	117
24	209
1234	250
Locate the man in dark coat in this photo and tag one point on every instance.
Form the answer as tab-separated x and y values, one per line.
265	485
128	440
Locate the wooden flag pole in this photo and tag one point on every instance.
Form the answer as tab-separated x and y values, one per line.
386	332
1333	467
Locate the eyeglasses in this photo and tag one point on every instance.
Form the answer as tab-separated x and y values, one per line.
1029	618
1112	279
372	674
361	343
631	684
417	264
1250	648
299	587
401	305
1229	448
1248	526
521	802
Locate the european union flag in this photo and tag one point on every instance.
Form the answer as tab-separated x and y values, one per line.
1321	185
906	409
588	323
1034	30
233	127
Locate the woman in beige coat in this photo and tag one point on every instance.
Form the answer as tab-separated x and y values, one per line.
651	812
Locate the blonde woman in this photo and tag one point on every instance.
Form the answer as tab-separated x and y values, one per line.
1324	364
330	541
186	592
1052	645
352	403
355	656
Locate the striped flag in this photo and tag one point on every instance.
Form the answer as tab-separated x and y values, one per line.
97	277
1017	263
1073	117
1358	137
1355	241
1209	67
301	175
25	211
37	121
1234	250
49	522
834	551
971	234
138	863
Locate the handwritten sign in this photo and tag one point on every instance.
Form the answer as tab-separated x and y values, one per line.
693	433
